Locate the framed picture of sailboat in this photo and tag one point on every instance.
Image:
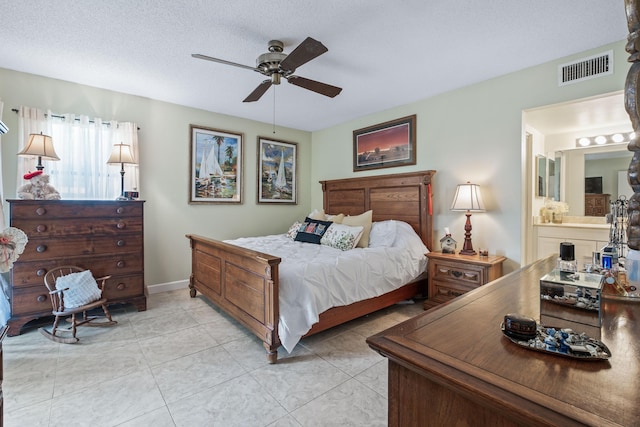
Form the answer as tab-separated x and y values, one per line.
277	171
215	166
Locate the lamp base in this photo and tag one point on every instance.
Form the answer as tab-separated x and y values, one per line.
467	248
122	198
467	252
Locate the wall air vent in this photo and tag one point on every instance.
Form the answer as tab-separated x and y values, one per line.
585	68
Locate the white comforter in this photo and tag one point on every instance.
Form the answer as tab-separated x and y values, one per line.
314	278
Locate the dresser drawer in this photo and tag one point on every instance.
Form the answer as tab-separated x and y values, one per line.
122	287
39	249
31	299
32	272
73	209
50	228
469	274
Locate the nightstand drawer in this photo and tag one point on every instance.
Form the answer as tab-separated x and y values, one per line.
451	275
460	273
449	290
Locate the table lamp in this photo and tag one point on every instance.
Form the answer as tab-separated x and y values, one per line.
121	154
41	146
468	199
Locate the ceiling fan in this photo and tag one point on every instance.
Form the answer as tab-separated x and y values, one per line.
275	64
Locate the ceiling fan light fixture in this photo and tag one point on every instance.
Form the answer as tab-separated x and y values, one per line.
275	64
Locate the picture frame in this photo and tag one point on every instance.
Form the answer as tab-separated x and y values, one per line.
277	171
215	165
385	145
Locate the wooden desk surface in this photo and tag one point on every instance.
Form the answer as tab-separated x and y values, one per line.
460	346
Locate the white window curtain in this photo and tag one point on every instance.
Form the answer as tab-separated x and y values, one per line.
83	146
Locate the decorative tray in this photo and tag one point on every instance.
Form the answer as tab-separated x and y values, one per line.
526	332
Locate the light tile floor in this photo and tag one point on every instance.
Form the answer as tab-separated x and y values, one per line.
184	363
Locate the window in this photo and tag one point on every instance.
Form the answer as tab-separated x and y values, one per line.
83	147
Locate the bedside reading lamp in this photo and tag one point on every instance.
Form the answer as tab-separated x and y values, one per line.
121	154
40	146
469	199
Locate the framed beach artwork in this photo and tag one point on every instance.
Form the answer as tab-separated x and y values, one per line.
215	166
277	171
385	145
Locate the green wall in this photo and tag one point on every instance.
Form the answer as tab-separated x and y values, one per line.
472	134
164	142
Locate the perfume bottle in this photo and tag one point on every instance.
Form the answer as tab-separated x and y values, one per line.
567	261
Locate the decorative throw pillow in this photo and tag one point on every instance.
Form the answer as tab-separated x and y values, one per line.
342	236
293	230
82	289
311	231
365	221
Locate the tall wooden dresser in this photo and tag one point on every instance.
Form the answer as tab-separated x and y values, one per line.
103	236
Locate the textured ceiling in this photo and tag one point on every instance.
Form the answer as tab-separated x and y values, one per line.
382	53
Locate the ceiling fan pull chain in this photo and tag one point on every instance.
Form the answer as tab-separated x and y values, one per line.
274	110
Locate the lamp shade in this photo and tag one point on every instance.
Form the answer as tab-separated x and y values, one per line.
121	153
40	145
468	198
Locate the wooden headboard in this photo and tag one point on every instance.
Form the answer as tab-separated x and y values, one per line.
403	197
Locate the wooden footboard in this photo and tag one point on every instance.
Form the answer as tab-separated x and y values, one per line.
241	282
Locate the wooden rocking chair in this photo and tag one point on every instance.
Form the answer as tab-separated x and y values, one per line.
60	311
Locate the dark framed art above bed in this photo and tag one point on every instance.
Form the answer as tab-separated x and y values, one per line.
245	283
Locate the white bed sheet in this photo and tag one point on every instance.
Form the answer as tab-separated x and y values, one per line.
314	278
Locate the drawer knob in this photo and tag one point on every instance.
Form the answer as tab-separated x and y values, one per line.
41	211
41	272
120	264
41	298
456	273
41	228
121	225
41	248
119	210
120	286
120	243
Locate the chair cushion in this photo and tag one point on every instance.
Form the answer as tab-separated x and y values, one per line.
82	289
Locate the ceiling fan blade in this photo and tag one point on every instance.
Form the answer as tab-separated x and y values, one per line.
318	87
258	92
305	52
222	61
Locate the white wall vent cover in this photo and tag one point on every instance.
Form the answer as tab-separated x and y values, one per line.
585	68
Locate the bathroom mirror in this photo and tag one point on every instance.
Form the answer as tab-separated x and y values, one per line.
541	173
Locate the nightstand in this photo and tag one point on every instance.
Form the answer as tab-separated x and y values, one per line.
451	275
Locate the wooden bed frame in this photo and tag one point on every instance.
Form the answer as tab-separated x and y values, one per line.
244	283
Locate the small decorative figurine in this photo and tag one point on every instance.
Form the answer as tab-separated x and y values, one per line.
38	187
447	244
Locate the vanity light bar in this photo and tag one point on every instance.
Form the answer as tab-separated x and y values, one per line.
605	139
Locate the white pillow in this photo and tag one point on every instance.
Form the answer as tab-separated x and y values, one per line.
335	218
83	289
317	214
383	234
406	237
342	236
